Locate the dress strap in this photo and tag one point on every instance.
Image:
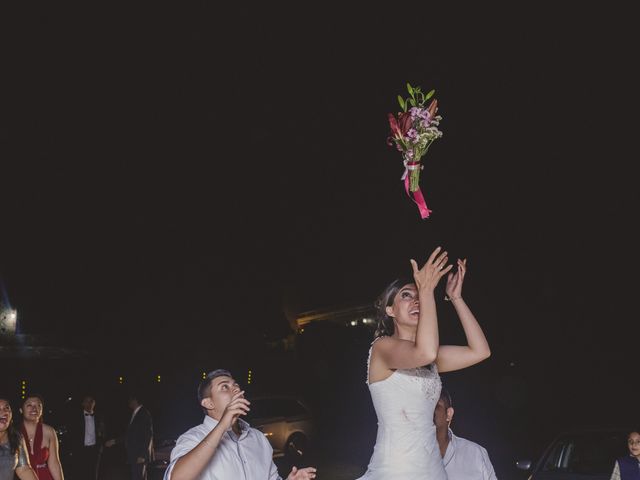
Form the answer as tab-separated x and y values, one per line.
369	357
25	435
37	442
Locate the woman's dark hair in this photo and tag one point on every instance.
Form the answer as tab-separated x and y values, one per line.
12	433
384	322
34	395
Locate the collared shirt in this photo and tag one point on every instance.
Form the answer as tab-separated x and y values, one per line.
89	429
465	460
247	457
133	415
616	472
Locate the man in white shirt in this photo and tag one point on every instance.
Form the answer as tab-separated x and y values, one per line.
224	446
463	459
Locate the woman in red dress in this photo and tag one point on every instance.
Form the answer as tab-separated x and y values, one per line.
42	441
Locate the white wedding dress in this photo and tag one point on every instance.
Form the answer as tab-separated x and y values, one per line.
406	445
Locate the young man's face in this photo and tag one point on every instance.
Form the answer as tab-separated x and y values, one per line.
442	415
222	391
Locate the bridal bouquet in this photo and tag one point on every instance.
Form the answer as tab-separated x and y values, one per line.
413	131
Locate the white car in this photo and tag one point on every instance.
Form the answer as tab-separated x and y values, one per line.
286	422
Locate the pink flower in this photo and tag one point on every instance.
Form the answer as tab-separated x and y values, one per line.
399	127
433	108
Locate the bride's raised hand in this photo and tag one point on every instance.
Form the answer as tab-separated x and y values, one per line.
434	269
455	280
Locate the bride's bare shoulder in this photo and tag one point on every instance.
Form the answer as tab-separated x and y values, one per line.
378	368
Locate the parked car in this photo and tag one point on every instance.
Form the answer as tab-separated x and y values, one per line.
287	422
579	454
162	454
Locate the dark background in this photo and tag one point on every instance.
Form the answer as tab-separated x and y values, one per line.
179	180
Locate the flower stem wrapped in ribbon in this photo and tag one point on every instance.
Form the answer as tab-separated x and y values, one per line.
412	132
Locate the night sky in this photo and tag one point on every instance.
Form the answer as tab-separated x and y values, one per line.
207	168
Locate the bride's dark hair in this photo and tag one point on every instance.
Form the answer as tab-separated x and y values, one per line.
385	326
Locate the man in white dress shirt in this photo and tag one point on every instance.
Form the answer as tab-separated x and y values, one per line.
463	459
225	447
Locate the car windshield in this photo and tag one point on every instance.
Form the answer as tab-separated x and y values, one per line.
589	453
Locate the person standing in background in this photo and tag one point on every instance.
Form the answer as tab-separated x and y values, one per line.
41	440
138	439
463	459
628	466
87	437
14	459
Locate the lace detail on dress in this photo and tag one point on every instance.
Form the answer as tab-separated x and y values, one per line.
369	357
427	379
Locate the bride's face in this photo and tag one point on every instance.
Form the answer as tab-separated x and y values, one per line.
405	309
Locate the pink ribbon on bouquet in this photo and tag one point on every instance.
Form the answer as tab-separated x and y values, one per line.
416	196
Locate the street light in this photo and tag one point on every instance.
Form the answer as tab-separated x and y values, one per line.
8	320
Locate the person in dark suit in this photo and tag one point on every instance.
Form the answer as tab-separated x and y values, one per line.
138	439
86	434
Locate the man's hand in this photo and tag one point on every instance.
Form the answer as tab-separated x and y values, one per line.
302	474
109	443
237	406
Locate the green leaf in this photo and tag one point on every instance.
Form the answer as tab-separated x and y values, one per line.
412	102
402	104
429	95
409	89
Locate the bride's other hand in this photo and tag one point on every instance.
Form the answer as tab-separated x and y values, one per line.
455	281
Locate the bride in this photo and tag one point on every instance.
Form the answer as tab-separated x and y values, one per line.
403	367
